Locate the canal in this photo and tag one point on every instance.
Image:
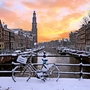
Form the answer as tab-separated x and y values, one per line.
65	60
57	60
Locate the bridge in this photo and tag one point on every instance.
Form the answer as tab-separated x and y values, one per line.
6	68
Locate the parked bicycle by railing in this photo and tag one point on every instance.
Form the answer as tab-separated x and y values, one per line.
24	70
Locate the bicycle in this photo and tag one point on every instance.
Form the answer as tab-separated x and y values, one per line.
23	69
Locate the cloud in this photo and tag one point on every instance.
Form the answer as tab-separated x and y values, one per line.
7	14
13	20
55	18
49	37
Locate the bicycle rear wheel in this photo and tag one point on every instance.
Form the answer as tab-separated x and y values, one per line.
21	73
53	72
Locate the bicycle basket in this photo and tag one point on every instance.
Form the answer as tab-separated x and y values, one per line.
22	60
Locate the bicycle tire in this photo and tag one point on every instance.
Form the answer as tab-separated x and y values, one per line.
53	72
20	73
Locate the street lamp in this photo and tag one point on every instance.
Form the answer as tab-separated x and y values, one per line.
35	44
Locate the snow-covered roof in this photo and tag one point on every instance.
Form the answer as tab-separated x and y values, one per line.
3	25
16	32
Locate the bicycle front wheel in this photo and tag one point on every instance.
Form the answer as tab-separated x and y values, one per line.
20	73
54	72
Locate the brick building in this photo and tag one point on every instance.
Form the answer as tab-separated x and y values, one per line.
81	38
88	36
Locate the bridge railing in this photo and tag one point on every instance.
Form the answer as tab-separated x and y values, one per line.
80	72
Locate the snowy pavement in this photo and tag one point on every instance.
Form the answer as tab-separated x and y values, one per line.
6	83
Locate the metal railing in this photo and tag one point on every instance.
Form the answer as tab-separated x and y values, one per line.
80	65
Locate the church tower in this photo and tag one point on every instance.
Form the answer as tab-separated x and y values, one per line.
34	28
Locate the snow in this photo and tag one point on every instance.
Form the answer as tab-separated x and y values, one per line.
17	51
6	83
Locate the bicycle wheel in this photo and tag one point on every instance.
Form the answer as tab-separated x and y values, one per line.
53	72
21	73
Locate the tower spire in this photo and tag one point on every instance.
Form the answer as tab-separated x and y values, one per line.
34	27
34	17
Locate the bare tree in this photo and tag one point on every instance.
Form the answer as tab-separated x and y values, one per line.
89	15
85	20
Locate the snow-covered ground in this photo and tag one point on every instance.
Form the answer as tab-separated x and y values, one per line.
6	83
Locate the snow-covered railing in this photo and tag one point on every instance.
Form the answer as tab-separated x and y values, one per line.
80	65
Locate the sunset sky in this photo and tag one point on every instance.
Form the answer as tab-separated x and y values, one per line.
55	18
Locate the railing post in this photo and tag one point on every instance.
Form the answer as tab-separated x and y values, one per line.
81	72
14	58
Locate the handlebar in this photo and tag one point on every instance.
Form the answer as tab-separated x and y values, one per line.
15	63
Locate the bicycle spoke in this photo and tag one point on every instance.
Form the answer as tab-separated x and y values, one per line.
54	72
20	73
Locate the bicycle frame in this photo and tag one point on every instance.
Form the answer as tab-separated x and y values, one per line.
43	70
46	70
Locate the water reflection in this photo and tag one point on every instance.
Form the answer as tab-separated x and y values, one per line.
64	60
61	60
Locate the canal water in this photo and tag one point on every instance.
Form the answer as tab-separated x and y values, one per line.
64	60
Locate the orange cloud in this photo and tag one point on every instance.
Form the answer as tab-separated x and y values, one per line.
55	18
7	15
13	20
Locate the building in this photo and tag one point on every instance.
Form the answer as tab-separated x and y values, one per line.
22	39
64	42
1	38
73	37
6	38
34	30
81	38
88	37
12	39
